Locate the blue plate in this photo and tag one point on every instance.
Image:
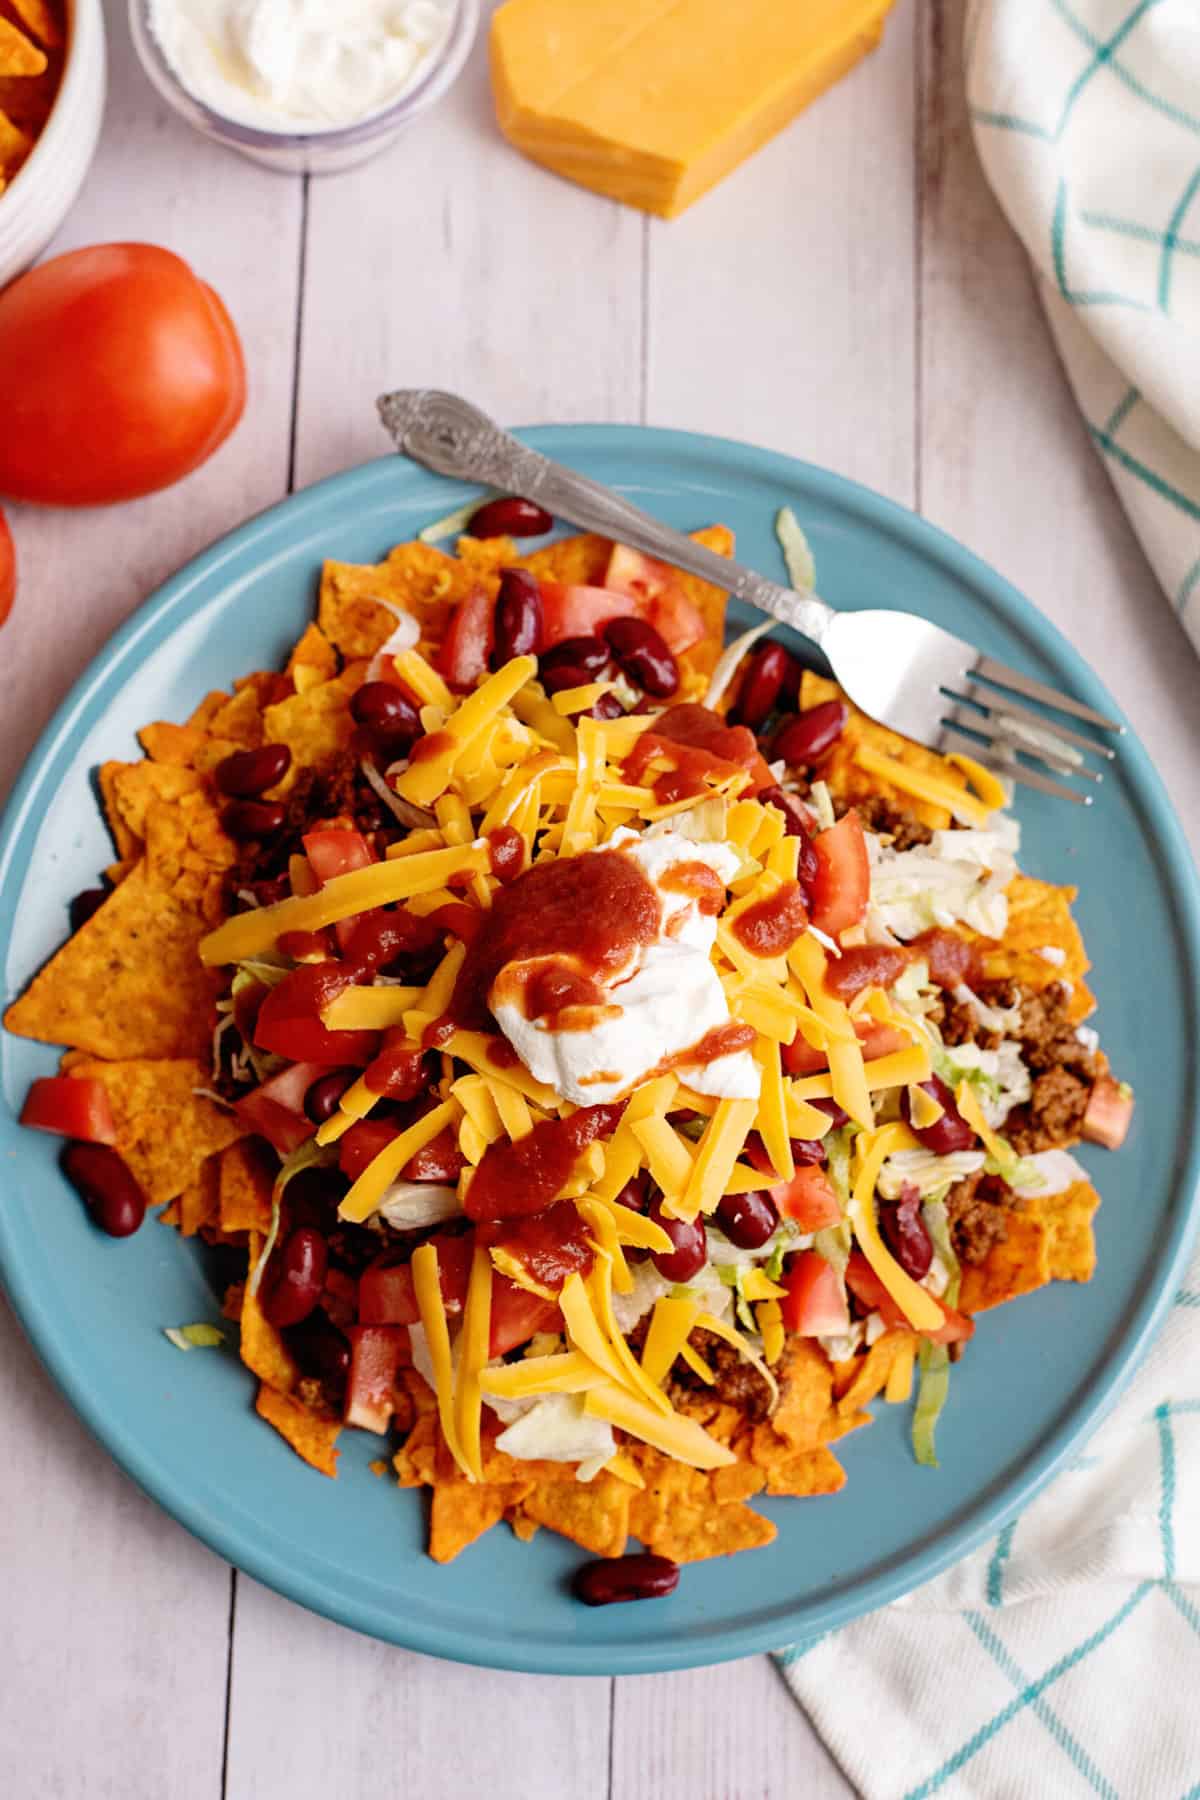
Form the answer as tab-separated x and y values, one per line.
1037	1376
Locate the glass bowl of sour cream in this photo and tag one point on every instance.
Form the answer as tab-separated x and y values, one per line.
303	86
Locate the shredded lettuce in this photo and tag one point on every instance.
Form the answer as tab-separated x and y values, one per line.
934	1359
821	801
773	1267
797	553
194	1337
454	522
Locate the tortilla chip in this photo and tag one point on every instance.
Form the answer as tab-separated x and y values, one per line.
127	842
1017	1266
849	783
165	1130
741	1481
244	1188
415	577
1039	917
462	1511
593	1514
129	984
187	850
262	1348
170	1215
1067	1220
199	1203
208	709
805	1392
678	1515
176	745
317	724
239	718
523	1528
812	1472
310	1437
15	144
871	1377
314	651
838	1425
19	55
131	789
710	602
39	17
415	1462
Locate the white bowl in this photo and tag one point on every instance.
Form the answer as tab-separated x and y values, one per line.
41	194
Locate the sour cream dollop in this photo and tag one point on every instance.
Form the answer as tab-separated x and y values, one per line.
664	1000
299	65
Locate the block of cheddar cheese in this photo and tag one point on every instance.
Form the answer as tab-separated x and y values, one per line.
652	101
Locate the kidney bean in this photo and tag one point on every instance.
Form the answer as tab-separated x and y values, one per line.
811	733
748	1220
769	671
387	716
107	1185
835	1113
517	627
85	904
606	707
947	1134
798	821
321	1351
313	1193
573	661
510	516
294	1277
808	1152
643	655
905	1233
247	773
690	1252
254	818
636	1192
321	1100
616	1578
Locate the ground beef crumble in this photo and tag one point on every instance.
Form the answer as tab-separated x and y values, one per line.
1052	1116
977	1209
737	1383
883	816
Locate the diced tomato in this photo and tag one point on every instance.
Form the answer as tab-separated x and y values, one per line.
375	1355
467	645
1109	1112
386	1295
842	884
361	1144
809	1197
380	936
876	1039
74	1107
289	1020
867	1288
440	1159
275	1110
576	611
862	966
951	958
333	852
399	1071
660	595
549	1245
517	1314
815	1305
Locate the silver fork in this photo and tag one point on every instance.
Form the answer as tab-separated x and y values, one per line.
909	674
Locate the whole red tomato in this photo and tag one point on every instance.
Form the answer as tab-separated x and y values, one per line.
8	570
119	373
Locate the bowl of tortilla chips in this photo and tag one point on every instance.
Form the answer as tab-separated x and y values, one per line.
52	79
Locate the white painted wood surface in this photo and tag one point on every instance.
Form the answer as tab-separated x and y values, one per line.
853	296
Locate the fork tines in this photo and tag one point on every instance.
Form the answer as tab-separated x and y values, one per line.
987	720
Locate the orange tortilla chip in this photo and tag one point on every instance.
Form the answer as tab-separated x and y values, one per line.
187	850
244	1189
593	1514
850	783
165	1130
678	1514
262	1349
314	651
15	144
741	1481
1067	1220
461	1511
128	843
310	1437
578	561
176	745
131	789
40	18
208	709
415	577
317	724
805	1392
871	1377
1039	917
838	1425
1017	1266
19	55
199	1203
812	1472
129	984
239	718
710	602
416	1461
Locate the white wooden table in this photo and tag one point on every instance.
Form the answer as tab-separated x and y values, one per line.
853	296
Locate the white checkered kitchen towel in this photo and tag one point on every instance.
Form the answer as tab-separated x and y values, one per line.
1063	1659
1087	119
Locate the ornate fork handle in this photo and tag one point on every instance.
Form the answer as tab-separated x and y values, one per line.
449	435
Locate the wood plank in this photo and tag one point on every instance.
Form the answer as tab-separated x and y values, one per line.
115	1619
81	573
781	306
1006	462
319	1710
733	1732
458	264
